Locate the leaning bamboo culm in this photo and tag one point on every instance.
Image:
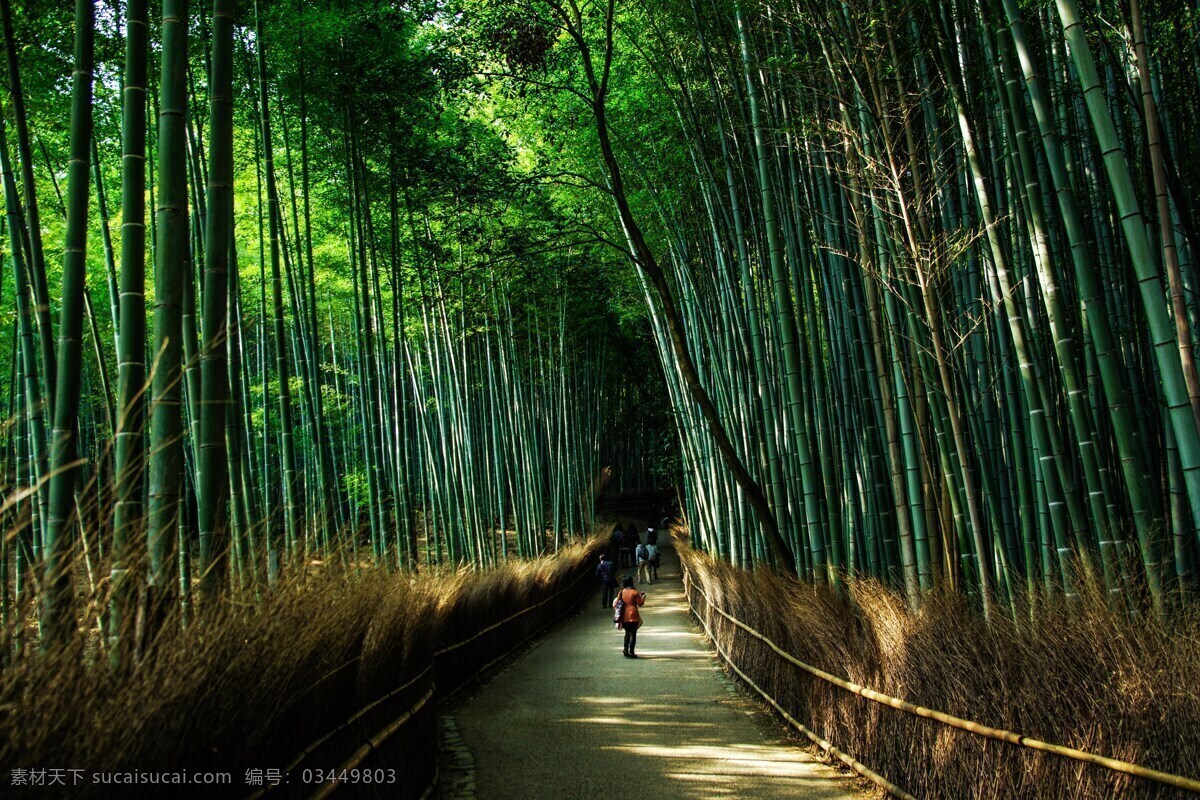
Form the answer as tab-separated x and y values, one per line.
928	294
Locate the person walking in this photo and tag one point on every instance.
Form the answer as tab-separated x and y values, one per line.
628	601
651	536
642	556
606	572
625	550
655	560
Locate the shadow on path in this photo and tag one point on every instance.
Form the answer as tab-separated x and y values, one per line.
572	718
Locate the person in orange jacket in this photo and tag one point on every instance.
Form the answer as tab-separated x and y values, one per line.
631	618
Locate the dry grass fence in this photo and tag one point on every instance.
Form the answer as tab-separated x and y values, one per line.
336	670
1085	676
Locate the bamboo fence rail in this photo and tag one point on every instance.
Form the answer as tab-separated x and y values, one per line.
1178	781
374	743
820	741
376	740
511	617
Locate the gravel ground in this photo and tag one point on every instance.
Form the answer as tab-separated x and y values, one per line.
572	718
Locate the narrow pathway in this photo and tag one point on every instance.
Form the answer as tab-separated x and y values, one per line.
572	719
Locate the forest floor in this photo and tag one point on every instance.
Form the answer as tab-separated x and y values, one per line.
572	718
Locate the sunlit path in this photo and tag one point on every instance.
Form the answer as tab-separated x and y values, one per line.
573	719
340	337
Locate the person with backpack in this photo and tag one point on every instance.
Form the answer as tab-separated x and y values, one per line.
642	555
627	616
654	560
606	572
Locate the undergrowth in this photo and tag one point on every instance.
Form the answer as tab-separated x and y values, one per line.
1081	674
254	682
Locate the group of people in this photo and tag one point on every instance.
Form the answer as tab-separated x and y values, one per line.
631	551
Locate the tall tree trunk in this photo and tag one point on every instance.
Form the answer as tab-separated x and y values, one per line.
58	620
214	480
645	259
170	272
292	511
129	450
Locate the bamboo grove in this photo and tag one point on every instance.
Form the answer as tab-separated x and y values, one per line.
893	289
303	318
922	277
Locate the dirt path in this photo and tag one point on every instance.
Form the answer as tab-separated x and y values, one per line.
572	719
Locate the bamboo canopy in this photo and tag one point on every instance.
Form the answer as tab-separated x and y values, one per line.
902	291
